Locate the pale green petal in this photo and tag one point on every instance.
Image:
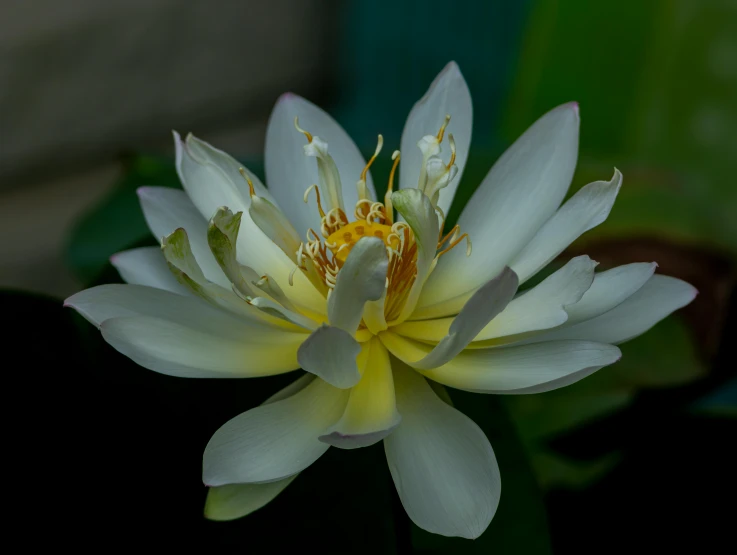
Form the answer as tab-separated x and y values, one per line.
147	266
330	353
238	500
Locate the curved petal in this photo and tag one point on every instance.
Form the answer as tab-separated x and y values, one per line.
330	353
177	350
652	302
488	301
166	210
238	500
540	307
508	369
147	266
448	95
442	464
585	210
609	289
274	441
371	413
361	279
518	195
289	172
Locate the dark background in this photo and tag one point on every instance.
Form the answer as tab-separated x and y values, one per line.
105	455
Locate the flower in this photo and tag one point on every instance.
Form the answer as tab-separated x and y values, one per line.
381	311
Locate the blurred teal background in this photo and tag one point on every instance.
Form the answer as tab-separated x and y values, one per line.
636	457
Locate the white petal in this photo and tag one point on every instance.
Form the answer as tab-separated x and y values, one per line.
169	209
362	278
442	464
541	307
177	350
488	301
448	95
518	195
289	172
273	441
422	218
330	353
544	306
609	289
508	369
147	266
238	500
585	210
655	300
371	413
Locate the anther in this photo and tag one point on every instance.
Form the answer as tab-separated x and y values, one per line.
248	180
317	192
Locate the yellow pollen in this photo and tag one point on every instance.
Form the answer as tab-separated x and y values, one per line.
341	242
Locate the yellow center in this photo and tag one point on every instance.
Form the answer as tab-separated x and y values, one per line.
341	242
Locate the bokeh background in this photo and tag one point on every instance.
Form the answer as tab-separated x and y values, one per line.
637	458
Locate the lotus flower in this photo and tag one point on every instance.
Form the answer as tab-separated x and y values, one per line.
373	300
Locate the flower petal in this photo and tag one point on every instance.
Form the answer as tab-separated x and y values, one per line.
169	209
361	279
518	195
274	441
488	301
177	350
371	413
330	353
508	369
585	210
652	302
442	464
541	307
233	501
289	172
147	266
448	95
609	289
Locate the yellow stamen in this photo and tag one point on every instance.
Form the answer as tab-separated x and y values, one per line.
303	131
455	242
317	192
379	145
248	180
452	142
388	207
441	133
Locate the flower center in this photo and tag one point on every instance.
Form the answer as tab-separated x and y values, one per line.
341	242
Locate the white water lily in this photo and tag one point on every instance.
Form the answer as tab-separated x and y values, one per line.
317	273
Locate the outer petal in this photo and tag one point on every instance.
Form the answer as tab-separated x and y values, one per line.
585	210
509	369
371	413
442	464
171	348
273	441
519	194
289	172
330	353
238	500
361	279
655	300
488	301
147	266
448	95
169	209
